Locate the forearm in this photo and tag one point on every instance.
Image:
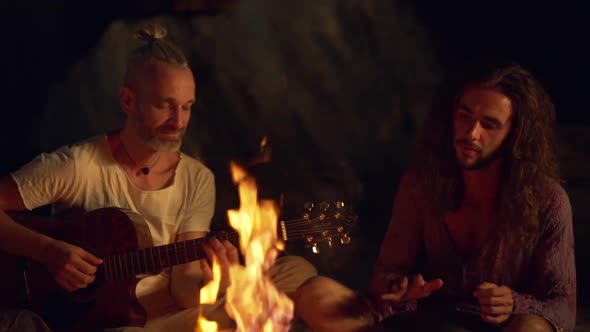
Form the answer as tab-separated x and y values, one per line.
185	284
560	310
186	279
19	240
399	253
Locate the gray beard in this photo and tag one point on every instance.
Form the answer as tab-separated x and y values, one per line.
155	142
161	145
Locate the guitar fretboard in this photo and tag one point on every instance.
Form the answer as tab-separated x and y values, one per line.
155	259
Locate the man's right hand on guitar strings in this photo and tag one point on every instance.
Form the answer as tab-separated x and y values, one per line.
72	267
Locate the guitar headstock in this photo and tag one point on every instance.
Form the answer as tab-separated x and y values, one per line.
326	221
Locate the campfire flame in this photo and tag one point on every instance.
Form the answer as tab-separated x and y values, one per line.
252	300
208	295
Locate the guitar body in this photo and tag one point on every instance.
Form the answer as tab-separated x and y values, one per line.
103	304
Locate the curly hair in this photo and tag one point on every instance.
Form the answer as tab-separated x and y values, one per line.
529	168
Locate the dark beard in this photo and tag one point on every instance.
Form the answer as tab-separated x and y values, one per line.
485	162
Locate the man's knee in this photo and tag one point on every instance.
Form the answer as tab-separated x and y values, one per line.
22	320
318	287
528	323
327	305
290	272
313	299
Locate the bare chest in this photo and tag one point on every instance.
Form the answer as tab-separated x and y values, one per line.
470	230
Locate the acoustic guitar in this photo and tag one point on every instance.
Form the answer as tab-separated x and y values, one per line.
121	239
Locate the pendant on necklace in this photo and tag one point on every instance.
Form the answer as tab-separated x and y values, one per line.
145	170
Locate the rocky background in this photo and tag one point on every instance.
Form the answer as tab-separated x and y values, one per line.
339	88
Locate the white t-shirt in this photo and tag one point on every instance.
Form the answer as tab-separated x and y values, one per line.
87	176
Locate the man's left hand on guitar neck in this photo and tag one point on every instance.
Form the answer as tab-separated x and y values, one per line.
226	254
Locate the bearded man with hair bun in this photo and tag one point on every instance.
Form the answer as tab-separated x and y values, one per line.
138	168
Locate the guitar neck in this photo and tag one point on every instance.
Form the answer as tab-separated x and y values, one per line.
155	259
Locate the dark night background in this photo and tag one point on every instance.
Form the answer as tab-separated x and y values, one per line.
339	87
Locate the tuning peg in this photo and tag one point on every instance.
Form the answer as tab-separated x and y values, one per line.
330	242
340	205
324	206
315	248
345	239
308	206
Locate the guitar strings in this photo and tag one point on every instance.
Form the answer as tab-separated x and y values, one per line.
196	243
119	271
293	229
298	222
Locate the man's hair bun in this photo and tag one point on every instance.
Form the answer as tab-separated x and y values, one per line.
151	33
